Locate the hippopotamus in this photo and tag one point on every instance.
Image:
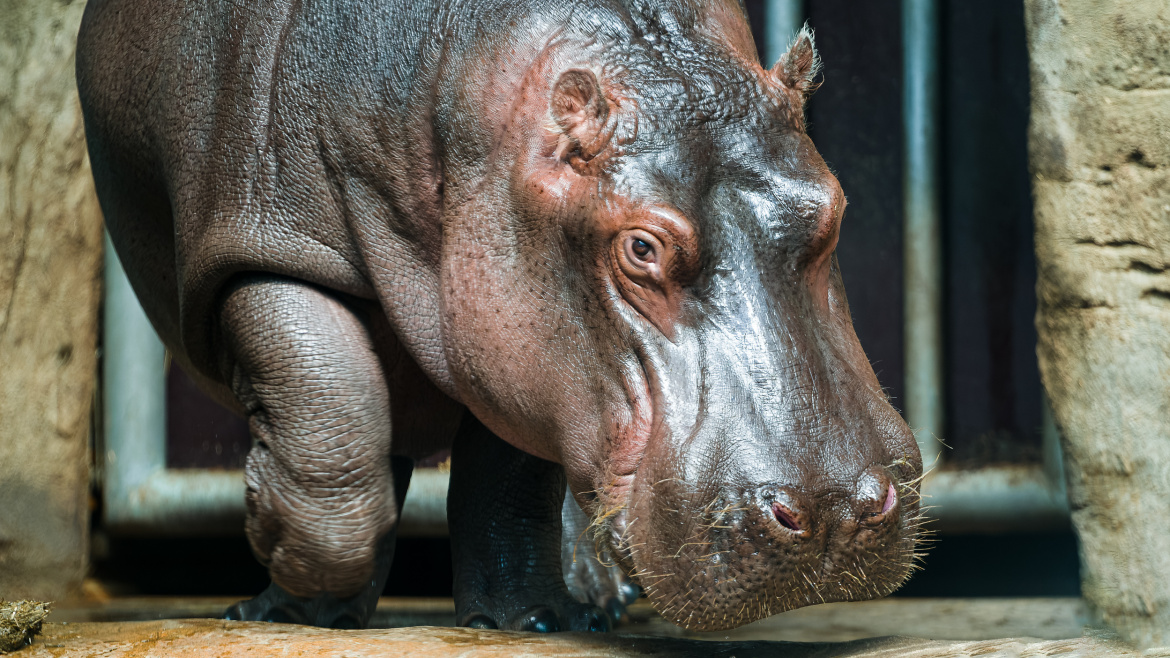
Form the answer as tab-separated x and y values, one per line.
586	245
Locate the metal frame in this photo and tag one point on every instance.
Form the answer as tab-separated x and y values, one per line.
922	227
992	499
142	496
782	20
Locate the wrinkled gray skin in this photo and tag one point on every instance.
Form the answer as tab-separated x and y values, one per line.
582	243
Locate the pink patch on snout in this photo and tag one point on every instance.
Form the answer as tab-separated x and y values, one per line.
785	517
891	499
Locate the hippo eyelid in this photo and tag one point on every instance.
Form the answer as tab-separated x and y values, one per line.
640	266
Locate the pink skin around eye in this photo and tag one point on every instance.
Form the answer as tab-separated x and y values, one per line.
644	280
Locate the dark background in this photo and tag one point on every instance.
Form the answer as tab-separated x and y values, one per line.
993	402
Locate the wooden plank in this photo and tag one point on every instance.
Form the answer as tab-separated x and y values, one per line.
224	639
939	619
50	262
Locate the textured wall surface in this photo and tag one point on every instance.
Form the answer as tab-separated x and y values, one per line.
1100	149
50	255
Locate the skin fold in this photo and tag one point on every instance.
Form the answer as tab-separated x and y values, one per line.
586	245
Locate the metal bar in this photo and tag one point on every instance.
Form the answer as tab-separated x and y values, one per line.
185	502
921	227
782	20
1003	499
1053	455
992	500
134	394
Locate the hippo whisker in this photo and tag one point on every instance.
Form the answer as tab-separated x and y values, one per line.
859	582
917	480
690	543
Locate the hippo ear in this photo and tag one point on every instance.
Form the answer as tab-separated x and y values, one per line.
580	110
798	67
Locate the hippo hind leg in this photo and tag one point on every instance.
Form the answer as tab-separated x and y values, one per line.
322	501
591	576
504	512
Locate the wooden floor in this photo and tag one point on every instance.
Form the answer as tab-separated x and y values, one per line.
207	638
919	628
938	619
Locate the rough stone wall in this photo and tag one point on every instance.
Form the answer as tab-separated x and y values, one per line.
50	257
1100	150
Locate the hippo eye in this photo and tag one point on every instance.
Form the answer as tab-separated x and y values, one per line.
640	250
641	257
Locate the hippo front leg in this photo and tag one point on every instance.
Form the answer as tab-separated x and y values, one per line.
322	503
504	512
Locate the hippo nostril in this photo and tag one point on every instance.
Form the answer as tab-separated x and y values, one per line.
891	498
785	517
877	496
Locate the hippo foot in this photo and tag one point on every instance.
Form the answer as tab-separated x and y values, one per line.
607	587
590	577
504	511
278	606
514	614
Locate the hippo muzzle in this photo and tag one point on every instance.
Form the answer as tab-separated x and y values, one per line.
774	472
766	486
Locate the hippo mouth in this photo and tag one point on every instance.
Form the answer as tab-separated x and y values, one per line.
611	524
739	559
630	439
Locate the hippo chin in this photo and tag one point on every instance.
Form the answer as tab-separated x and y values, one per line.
579	243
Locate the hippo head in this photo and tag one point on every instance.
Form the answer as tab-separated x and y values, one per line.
651	298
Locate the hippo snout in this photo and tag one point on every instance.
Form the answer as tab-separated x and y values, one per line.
834	525
864	526
730	552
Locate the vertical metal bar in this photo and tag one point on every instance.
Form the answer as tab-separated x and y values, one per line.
782	19
134	393
1052	453
922	235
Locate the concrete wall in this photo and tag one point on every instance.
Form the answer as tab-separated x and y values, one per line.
1100	150
50	256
